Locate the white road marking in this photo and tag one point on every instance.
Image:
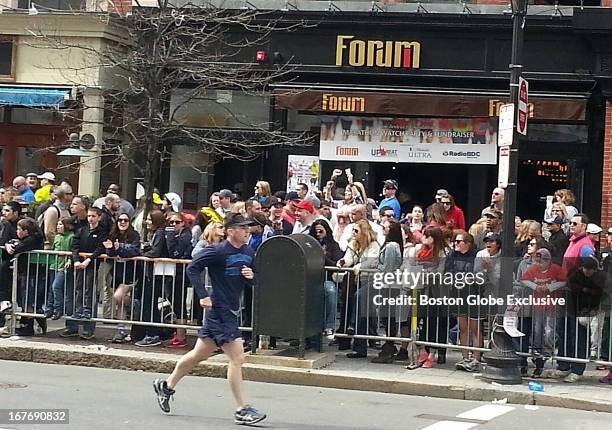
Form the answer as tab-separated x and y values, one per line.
450	425
481	413
486	412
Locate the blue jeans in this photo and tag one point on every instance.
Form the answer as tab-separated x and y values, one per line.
55	296
331	304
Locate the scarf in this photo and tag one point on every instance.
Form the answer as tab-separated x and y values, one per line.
425	254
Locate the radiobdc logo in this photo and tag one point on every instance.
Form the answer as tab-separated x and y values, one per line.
468	154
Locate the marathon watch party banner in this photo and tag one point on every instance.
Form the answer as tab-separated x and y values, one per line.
409	140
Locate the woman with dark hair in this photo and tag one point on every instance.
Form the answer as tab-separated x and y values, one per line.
429	260
321	231
123	242
390	260
152	284
460	263
178	241
525	312
31	278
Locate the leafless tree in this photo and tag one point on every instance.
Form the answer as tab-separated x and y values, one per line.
176	56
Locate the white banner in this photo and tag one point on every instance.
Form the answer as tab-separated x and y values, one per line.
409	140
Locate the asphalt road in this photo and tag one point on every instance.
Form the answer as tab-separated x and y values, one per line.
113	399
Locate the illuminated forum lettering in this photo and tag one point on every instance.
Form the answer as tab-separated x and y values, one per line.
377	53
334	103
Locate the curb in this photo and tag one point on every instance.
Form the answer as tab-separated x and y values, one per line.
150	362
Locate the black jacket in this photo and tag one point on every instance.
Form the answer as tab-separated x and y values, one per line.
90	241
559	243
8	231
30	243
333	253
179	245
586	293
157	247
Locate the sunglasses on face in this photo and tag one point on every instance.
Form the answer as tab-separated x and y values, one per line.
176	222
355	231
459	241
445	203
319	231
121	220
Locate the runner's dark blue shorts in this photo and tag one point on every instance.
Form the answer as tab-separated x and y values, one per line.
220	325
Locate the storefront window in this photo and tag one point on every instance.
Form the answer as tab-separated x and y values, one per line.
221	108
558	133
301	122
6	57
35	116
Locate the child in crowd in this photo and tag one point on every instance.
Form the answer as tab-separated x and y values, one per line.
545	279
59	266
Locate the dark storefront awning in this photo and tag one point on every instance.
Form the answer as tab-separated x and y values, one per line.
33	97
434	104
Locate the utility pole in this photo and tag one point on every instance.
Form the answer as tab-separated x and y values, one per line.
502	362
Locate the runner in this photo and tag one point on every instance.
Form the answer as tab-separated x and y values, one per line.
230	269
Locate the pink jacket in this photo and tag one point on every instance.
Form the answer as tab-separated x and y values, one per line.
571	258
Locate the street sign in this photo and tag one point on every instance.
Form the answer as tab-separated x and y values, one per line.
503	170
506	125
523	109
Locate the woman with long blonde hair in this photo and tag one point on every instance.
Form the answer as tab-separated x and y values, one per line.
262	192
362	253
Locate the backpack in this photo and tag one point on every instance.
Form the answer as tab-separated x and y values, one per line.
40	220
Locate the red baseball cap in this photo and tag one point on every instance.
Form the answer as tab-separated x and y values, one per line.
307	205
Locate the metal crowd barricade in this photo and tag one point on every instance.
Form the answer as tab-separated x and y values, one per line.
157	291
438	328
575	339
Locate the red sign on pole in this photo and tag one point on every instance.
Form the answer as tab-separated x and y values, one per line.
523	109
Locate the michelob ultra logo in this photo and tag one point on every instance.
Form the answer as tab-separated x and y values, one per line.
377	53
334	103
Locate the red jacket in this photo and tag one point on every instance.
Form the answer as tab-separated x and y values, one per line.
456	218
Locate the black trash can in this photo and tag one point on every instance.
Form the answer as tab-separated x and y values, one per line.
289	295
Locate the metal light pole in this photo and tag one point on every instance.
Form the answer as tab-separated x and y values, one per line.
502	362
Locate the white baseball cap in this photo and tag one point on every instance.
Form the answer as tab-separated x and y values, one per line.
593	229
48	176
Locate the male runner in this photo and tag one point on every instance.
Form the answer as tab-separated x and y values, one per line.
230	269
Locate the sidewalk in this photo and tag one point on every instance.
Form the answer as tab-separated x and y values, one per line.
282	367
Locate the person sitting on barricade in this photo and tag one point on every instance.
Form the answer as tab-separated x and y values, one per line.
30	289
58	269
152	288
123	242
